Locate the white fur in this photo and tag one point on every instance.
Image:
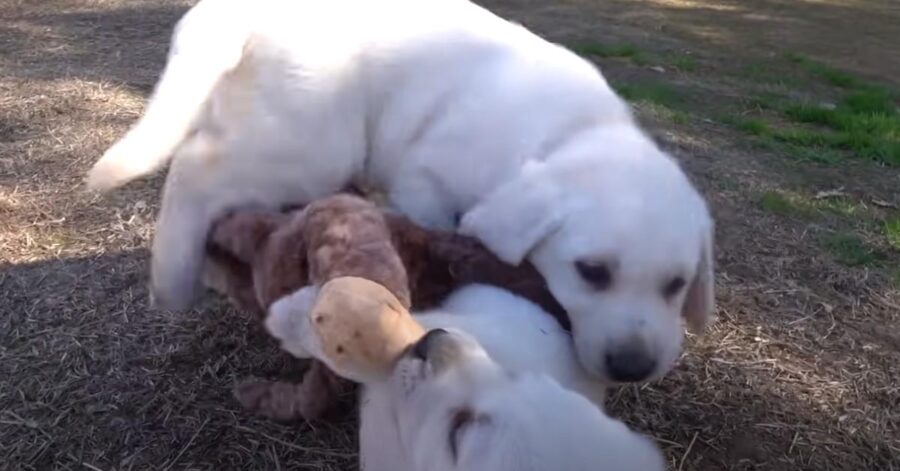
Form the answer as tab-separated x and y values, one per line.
516	369
448	109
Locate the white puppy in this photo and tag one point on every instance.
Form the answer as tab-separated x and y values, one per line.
453	112
490	387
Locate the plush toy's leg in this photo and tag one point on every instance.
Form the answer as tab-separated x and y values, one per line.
322	389
287	402
233	280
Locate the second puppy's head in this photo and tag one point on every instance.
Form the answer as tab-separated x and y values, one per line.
456	408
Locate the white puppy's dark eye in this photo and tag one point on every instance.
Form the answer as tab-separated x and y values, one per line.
598	274
673	286
460	419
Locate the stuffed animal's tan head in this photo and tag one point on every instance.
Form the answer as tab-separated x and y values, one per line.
356	326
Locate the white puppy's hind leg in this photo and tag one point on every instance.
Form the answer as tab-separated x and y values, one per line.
189	207
178	251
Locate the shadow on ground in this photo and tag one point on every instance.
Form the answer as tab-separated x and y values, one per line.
90	376
118	45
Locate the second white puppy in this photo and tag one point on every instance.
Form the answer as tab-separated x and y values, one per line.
454	113
491	387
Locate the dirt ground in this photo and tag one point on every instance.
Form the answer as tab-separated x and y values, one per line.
799	373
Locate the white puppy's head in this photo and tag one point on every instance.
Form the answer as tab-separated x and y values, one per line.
457	409
623	240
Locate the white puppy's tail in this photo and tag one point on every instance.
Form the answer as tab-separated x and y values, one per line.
208	42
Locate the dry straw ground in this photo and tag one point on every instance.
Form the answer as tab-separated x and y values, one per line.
798	374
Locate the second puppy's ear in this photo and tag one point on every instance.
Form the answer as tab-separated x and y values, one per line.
241	234
699	304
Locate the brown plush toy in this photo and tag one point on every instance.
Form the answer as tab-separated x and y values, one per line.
257	257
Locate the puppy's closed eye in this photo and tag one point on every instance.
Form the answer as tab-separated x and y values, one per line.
462	420
597	274
673	287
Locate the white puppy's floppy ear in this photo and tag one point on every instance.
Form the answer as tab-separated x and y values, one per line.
517	216
699	302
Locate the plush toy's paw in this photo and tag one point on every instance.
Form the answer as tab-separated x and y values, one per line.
289	402
277	400
234	281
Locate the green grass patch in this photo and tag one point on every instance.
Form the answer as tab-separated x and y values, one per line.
850	249
834	76
892	232
793	204
821	155
864	123
768	74
607	50
803	137
684	63
618	51
810	113
665	113
871	100
801	144
840	206
657	93
779	203
766	101
754	126
829	74
758	71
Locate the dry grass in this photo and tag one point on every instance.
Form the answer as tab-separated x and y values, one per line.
799	372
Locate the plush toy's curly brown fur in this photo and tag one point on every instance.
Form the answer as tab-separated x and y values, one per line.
257	256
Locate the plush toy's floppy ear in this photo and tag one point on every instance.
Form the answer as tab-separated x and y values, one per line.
699	302
242	233
517	216
288	321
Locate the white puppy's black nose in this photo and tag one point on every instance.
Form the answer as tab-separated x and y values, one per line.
629	364
424	346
